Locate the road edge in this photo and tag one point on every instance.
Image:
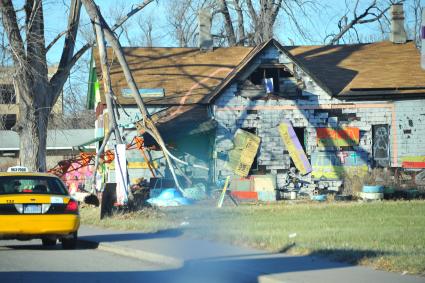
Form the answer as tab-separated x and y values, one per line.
168	261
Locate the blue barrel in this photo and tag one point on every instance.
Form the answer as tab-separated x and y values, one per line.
373	189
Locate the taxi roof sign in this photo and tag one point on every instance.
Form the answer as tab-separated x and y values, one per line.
17	169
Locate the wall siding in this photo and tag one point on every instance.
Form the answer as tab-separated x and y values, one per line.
313	108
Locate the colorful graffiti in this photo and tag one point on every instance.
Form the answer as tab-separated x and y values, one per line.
78	179
337	137
334	165
381	145
294	147
413	162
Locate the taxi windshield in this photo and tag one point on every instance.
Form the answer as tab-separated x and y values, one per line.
31	185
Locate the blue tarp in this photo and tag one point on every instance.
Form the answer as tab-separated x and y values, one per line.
169	197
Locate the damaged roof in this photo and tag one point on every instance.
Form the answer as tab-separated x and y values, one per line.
381	68
190	76
187	75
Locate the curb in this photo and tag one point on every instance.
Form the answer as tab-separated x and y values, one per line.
168	261
273	279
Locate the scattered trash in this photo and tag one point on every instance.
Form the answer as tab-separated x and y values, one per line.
169	197
198	192
184	223
292	235
319	197
371	196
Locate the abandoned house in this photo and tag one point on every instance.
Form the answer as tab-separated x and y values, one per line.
270	110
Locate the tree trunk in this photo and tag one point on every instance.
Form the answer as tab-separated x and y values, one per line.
32	126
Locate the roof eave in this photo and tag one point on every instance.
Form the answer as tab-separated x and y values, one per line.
256	50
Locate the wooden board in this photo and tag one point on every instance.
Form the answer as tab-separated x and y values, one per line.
294	147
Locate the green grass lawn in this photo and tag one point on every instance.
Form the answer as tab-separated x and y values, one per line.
386	235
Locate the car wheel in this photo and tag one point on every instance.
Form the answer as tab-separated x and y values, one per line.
48	242
70	243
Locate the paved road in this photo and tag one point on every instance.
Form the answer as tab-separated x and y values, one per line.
169	256
30	262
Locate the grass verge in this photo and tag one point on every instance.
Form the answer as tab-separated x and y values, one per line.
386	235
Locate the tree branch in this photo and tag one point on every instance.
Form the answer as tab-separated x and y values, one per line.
10	24
241	28
53	42
228	25
359	20
61	74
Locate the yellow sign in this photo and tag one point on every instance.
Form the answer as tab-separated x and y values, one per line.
136	165
242	155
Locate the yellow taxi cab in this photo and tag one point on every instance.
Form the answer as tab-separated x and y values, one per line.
37	206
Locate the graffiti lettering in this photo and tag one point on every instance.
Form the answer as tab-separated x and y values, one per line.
381	152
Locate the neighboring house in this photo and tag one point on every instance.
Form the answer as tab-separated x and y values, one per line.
9	100
61	144
351	107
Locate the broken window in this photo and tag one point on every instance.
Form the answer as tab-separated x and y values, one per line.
300	132
284	83
254	166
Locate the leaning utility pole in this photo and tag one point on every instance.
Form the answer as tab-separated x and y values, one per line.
102	27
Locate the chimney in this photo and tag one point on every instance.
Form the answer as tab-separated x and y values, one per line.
398	34
205	37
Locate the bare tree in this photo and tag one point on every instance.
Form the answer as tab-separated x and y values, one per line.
374	12
183	20
147	28
37	91
414	26
238	22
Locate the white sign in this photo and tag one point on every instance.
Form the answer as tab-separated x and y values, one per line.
17	169
56	200
121	174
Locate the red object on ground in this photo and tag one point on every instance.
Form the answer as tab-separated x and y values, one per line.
413	164
245	195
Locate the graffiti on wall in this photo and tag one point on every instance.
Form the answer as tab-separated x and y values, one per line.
242	155
413	162
347	136
381	148
294	147
334	165
78	179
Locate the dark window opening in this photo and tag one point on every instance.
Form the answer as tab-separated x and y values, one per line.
7	94
254	167
283	82
7	121
300	132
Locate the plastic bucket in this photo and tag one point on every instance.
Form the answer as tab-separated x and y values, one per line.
372	196
373	189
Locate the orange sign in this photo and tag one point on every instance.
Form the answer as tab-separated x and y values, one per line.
338	137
